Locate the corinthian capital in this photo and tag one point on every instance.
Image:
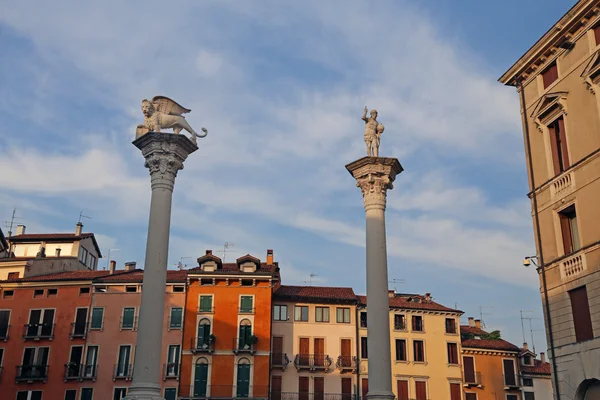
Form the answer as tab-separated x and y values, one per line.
374	176
374	189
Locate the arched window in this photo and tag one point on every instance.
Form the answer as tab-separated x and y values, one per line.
588	390
200	378
203	334
243	378
245	336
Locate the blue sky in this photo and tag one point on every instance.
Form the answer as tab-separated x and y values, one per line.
281	88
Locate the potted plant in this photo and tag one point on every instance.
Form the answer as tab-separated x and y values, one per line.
253	339
212	338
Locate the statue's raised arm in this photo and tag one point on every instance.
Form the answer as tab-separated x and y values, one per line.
364	116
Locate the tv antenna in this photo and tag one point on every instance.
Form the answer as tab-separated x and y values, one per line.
482	313
531	331
395	282
523	325
226	250
83	216
180	264
310	278
10	224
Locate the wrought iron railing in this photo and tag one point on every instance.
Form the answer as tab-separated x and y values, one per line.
123	371
511	380
241	345
89	372
78	330
347	363
201	345
197	392
312	396
279	360
472	379
72	371
29	373
312	361
38	331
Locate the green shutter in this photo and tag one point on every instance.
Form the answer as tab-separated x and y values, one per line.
97	314
200	380
170	394
246	304
206	303
243	380
176	314
128	314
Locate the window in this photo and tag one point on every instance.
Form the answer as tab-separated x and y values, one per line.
364	353
119	393
13	275
400	350
30	395
170	393
205	304
131	289
417	323
1	356
558	145
450	325
41	324
280	313
421	390
72	368
550	75
301	313
173	361
568	227
418	351
91	358
8	294
597	34
203	341
247	282
82	255
52	292
4	323
87	393
303	387
512	397
84	291
402	387
123	367
455	391
527	382
510	379
322	314
246	303
37	293
527	360
178	289
343	315
176	317
318	388
128	318
529	396
470	396
71	394
363	319
581	314
469	370
452	353
97	318
100	289
399	322
35	363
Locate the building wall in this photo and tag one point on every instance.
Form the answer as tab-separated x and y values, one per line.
542	387
436	370
489	364
332	332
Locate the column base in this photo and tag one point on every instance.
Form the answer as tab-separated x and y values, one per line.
144	391
380	395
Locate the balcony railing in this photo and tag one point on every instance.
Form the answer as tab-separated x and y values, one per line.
4	332
129	324
171	371
312	396
399	326
197	392
38	331
199	345
347	363
72	371
511	381
279	360
78	330
123	371
89	372
473	379
313	362
243	346
31	373
246	310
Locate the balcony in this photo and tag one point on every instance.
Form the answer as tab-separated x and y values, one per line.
511	381
313	362
123	371
279	360
38	331
312	396
243	346
78	330
573	266
199	345
89	372
72	371
32	373
197	392
171	371
472	379
4	332
128	324
246	310
347	363
562	185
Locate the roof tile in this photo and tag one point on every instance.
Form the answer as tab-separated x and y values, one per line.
401	301
539	368
491	344
315	293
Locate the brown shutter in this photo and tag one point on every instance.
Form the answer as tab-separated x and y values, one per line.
346	346
364	350
304	351
550	75
276	387
455	391
554	148
402	390
346	388
470	396
364	387
277	344
565	227
421	389
469	366
509	373
597	34
563	143
319	388
319	351
581	314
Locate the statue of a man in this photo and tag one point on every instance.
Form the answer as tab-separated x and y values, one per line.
373	131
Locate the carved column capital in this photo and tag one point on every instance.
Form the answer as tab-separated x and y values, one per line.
164	154
375	176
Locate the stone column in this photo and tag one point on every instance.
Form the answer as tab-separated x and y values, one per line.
164	154
374	176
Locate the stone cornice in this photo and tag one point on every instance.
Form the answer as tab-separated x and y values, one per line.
489	352
374	176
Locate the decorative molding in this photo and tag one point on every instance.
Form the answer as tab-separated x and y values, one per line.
374	176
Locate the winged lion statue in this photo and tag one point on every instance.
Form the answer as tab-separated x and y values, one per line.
163	113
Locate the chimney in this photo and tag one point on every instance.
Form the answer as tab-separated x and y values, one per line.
20	229
130	266
269	257
57	252
472	322
78	228
113	265
525	346
478	323
428	297
543	357
209	252
391	294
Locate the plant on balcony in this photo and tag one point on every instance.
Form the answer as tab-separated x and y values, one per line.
253	339
212	338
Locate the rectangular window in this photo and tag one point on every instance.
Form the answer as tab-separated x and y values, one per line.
30	395
450	325
37	293
421	390
52	292
455	391
301	313
170	393
303	387
280	313
580	308
173	361
343	315
512	397
4	320
71	394
13	275
527	382
550	75
176	318
558	145
205	304
402	387
131	289
469	368
119	393
87	394
41	323
318	388
246	304
399	322
82	255
178	289
127	321
597	34
8	294
452	353
322	314
418	351
470	396
401	350
417	323
123	367
529	396
527	360
91	358
364	353
510	379
99	289
363	319
97	318
84	291
568	227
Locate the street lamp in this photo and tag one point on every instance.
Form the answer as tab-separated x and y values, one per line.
531	259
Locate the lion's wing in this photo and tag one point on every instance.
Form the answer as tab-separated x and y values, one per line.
168	106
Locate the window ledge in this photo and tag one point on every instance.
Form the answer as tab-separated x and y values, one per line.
402	362
420	362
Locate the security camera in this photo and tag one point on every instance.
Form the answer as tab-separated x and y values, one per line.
526	262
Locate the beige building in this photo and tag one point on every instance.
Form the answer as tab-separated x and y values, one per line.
535	375
425	344
558	83
314	349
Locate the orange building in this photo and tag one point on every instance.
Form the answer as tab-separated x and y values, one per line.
227	328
